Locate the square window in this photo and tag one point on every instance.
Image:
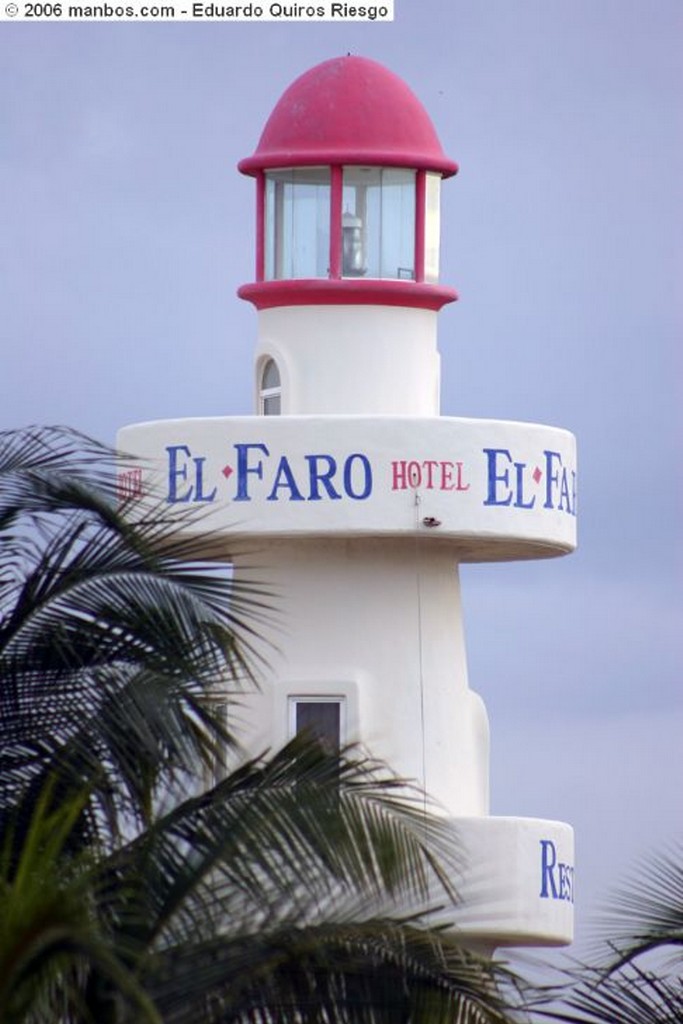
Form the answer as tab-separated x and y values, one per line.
321	717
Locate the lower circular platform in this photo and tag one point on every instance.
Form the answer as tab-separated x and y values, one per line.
517	881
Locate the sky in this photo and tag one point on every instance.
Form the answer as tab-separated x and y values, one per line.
125	231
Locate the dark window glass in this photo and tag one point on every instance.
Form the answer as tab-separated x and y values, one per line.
322	719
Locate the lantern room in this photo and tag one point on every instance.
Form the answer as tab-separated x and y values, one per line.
348	171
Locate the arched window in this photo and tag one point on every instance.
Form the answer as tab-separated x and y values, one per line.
270	389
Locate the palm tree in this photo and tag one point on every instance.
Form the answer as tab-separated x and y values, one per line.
132	891
112	637
639	976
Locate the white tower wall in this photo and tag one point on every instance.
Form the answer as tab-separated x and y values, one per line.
347	359
379	624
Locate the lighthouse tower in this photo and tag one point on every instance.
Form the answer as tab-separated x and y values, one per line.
357	498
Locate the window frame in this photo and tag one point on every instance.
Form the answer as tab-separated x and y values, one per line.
340	699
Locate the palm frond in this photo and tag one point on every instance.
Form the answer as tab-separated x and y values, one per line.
304	836
626	996
115	637
49	941
375	972
646	913
638	978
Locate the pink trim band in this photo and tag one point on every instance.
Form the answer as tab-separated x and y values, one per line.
347	157
346	292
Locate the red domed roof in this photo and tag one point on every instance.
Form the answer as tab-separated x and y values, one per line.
349	110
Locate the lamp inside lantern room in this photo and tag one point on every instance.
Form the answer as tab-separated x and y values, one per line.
353	250
379	203
350	222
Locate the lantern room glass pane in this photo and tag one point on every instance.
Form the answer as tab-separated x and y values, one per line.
432	226
297	223
378	223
